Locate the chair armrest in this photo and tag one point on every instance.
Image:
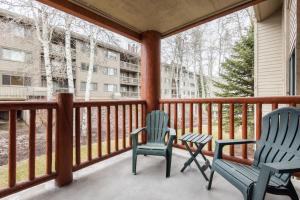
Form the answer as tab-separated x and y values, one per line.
134	136
220	144
172	137
284	167
267	170
137	131
235	142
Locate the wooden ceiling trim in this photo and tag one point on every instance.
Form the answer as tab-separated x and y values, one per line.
92	17
209	18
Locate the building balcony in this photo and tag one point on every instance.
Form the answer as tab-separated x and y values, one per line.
60	72
129	80
129	66
59	50
129	94
14	92
116	119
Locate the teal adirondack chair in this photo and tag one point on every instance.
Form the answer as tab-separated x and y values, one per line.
156	130
276	158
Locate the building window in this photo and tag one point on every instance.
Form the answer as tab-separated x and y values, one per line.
20	30
110	87
16	80
109	71
85	67
13	55
5	80
192	84
85	47
292	77
93	86
111	55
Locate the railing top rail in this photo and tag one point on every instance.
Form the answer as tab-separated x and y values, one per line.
241	100
27	105
78	104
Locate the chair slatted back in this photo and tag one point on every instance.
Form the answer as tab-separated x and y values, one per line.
157	126
280	139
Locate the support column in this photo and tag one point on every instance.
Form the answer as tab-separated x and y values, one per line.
64	139
150	69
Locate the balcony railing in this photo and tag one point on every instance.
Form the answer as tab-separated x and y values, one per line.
108	124
129	80
198	111
21	92
107	137
129	94
129	66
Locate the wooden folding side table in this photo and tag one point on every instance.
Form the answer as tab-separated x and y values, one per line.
199	141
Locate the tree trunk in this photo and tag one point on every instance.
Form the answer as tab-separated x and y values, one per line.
45	44
69	55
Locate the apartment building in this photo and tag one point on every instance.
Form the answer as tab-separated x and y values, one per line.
116	72
22	71
174	87
276	45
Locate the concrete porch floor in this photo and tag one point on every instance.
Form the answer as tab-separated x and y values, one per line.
112	180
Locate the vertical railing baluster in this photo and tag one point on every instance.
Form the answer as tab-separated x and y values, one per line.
231	128
130	124
108	129
116	128
77	136
169	121
144	136
32	133
12	149
137	119
182	119
191	120
89	133
200	118
209	125
99	121
244	129
274	106
49	141
258	121
175	121
220	110
124	126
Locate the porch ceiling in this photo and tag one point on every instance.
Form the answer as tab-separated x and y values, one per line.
132	17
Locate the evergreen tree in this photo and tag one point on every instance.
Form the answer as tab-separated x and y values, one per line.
238	77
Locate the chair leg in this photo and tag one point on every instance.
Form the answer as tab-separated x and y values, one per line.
292	192
210	179
168	165
134	160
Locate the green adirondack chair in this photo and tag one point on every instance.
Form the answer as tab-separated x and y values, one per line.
157	130
276	158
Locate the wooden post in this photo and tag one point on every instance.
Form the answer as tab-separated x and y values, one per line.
64	151
150	69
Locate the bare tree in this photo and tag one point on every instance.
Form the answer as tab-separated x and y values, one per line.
68	51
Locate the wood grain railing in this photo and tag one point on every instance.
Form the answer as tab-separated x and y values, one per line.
192	113
108	127
88	132
109	136
33	179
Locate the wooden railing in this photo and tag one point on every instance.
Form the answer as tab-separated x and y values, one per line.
114	120
120	118
88	132
177	111
33	179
